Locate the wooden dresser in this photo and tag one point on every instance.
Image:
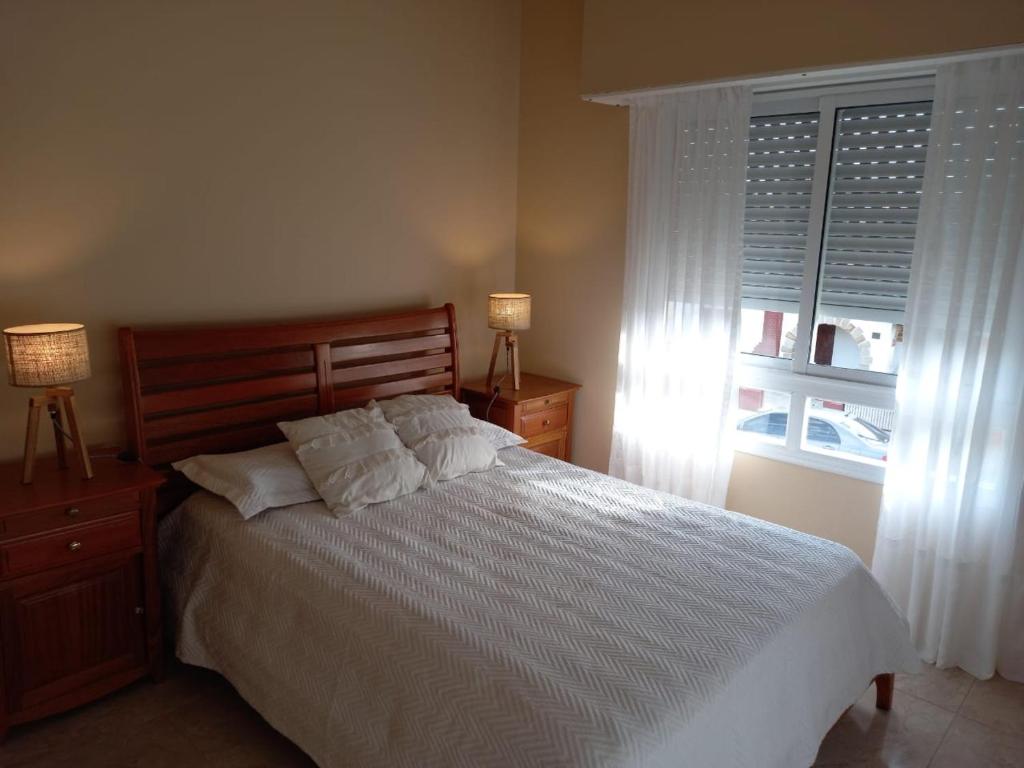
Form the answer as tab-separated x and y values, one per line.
540	410
79	595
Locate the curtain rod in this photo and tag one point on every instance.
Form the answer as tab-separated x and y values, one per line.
895	69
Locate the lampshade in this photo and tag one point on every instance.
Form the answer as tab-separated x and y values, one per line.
508	311
46	355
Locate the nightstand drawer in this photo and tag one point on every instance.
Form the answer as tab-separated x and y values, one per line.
68	514
41	553
547	420
548	401
549	447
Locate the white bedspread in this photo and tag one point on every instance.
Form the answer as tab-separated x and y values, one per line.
536	614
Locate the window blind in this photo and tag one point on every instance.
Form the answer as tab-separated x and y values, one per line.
780	173
877	172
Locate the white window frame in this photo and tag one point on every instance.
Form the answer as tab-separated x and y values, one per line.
798	376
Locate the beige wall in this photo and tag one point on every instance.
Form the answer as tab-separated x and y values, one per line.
187	162
832	506
636	43
572	222
570	251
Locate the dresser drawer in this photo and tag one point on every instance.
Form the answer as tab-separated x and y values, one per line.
546	402
547	420
50	518
69	545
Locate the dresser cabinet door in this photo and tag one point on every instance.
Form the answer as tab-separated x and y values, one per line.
64	630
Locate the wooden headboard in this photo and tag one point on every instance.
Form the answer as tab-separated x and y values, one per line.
215	389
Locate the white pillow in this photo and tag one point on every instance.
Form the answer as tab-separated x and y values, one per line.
497	436
442	433
252	480
354	458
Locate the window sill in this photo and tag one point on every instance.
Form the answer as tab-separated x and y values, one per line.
811	460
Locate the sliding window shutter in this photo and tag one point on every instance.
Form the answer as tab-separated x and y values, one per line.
877	172
780	172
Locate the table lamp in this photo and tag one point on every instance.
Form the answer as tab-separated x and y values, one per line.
50	356
507	313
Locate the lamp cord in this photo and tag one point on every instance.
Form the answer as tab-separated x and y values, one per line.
497	386
57	425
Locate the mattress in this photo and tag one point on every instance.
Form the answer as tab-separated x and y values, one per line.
537	614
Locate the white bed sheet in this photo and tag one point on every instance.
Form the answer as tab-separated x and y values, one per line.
537	614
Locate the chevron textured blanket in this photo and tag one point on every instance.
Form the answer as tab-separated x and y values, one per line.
537	614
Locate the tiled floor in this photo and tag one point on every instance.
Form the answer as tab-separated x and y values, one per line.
942	718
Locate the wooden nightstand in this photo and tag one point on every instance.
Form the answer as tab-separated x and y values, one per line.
540	410
79	597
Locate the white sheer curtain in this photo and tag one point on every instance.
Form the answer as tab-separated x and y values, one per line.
948	547
680	318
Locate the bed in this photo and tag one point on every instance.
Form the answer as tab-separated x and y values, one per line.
534	614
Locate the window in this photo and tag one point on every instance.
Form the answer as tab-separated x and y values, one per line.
852	431
763	415
780	175
833	183
876	175
820	434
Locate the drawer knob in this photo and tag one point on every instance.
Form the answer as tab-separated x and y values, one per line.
72	511
546	422
547	402
138	610
74	546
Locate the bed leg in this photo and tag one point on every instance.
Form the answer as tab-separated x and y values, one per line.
883	691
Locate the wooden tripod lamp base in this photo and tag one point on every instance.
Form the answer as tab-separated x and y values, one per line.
512	350
60	405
